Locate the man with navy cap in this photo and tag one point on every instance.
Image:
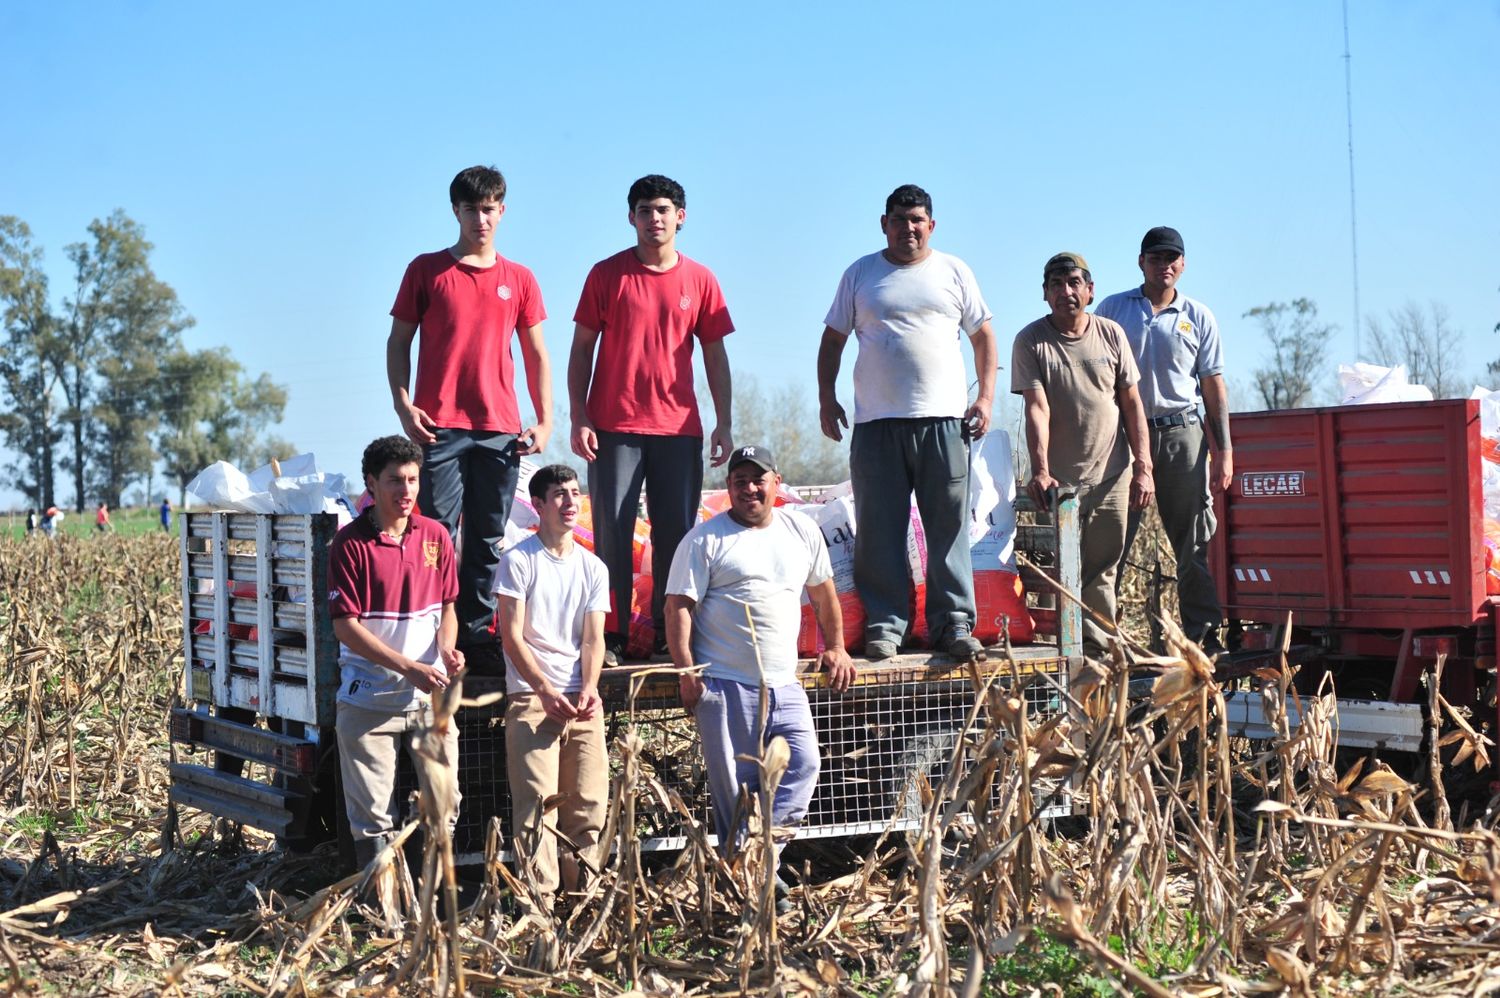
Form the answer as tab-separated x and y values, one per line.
1175	340
734	606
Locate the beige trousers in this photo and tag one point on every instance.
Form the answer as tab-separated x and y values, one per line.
369	749
545	759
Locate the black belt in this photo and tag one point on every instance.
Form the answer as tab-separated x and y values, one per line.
1179	419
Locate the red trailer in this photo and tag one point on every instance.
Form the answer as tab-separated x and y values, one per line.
1366	524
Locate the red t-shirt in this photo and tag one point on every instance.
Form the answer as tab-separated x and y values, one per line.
466	378
643	378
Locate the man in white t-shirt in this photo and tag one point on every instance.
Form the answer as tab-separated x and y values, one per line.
552	596
734	605
910	307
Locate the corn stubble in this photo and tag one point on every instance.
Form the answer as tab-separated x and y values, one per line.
1254	867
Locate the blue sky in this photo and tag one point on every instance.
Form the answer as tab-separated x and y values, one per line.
287	161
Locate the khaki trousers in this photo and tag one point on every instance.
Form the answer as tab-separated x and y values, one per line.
369	748
1102	512
545	759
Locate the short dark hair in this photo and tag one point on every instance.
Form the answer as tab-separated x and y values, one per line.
476	184
653	186
545	478
386	451
909	196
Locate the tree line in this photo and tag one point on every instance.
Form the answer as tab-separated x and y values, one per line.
1424	340
98	387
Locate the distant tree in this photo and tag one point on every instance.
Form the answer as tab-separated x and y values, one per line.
1299	341
212	411
145	328
29	419
114	292
1426	344
785	420
1494	366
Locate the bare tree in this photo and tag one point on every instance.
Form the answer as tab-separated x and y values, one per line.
1299	343
1426	343
785	420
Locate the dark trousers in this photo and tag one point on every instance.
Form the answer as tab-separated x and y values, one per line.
672	470
889	460
472	472
1179	456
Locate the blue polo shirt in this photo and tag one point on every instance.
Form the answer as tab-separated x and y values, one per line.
1173	348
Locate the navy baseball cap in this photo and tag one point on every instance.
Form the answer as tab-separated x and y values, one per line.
759	456
1163	239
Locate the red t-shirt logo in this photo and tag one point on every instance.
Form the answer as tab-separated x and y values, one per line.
685	303
504	292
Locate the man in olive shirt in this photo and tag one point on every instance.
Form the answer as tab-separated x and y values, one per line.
1078	378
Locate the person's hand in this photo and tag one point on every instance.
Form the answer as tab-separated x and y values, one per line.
720	446
423	676
533	439
557	706
588	703
1041	483
585	440
831	416
977	418
416	424
1221	472
1142	486
453	660
840	668
690	688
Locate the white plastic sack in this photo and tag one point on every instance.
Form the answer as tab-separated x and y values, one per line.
992	504
1489	412
1366	384
223	486
301	488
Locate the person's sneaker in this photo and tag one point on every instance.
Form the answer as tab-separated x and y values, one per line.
958	643
880	650
614	650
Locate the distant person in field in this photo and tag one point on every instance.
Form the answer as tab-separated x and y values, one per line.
553	595
392	586
635	414
166	514
1078	378
31	521
51	521
735	606
910	307
467	301
101	519
1175	340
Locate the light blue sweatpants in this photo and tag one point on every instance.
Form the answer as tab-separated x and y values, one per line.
728	716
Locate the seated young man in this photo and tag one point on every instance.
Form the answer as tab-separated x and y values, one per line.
552	596
391	588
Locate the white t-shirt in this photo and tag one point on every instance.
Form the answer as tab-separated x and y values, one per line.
725	567
908	320
556	593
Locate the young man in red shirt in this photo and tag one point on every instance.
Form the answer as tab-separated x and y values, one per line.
634	411
391	589
467	301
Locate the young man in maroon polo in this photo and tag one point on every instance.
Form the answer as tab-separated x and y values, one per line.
391	591
634	411
468	301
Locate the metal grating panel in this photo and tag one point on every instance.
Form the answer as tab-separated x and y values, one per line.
897	724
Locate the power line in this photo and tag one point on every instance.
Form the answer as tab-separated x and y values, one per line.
1349	119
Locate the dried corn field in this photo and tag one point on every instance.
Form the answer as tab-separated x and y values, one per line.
1196	864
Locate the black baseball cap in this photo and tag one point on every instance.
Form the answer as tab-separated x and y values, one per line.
759	456
1161	239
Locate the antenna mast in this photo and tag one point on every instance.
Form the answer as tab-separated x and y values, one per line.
1353	228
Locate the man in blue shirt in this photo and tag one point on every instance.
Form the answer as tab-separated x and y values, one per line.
1181	359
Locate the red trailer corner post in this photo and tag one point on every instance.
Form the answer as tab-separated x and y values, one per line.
1366	523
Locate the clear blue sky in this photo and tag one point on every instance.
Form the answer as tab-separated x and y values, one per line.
287	161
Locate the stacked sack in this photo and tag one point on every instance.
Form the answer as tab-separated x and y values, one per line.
999	598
